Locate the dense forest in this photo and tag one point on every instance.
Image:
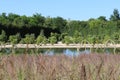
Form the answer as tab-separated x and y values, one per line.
16	28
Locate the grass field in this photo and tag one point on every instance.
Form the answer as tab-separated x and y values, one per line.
60	67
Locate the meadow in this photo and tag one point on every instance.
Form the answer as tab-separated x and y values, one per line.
60	67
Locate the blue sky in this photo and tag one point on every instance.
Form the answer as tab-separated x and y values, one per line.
68	9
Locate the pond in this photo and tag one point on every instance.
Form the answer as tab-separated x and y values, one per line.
70	52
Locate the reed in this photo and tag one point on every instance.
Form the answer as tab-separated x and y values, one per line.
60	67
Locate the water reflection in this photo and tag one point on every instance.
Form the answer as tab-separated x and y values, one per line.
68	52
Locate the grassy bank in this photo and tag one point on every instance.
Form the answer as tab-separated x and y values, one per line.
60	67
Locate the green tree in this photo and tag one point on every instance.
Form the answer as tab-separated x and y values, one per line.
4	20
12	16
67	40
53	38
3	37
18	22
72	26
41	39
106	38
94	26
116	37
59	23
39	19
62	35
48	23
29	39
14	39
102	18
110	28
115	16
77	38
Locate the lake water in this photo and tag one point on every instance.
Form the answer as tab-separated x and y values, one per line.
74	52
70	52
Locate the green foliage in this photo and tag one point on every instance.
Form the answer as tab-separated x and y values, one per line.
102	18
53	38
67	40
77	37
94	30
60	23
115	16
3	37
48	23
72	26
29	39
55	23
61	36
20	21
91	39
41	39
39	19
106	37
14	39
3	20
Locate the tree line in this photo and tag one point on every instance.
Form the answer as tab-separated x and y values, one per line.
38	29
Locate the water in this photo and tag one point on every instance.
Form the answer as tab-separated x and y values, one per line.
74	52
68	52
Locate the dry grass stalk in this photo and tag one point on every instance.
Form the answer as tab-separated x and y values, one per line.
60	67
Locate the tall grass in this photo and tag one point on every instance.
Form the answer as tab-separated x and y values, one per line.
60	67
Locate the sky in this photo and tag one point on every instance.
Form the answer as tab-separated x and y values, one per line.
68	9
